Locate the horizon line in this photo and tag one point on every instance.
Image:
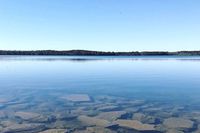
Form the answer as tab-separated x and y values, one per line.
102	50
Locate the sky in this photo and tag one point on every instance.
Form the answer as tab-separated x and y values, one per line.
103	25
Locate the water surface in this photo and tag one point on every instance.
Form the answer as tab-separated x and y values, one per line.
166	88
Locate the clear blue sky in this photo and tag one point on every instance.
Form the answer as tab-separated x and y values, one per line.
109	25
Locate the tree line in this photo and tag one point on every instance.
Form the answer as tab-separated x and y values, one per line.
98	53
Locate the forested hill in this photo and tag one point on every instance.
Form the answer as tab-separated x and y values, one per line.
98	53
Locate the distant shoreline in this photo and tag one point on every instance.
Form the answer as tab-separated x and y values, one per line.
99	53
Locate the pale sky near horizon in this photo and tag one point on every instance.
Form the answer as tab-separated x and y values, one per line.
108	25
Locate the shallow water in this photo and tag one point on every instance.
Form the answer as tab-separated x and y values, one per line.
65	92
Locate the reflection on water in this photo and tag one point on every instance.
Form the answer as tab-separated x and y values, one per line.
58	94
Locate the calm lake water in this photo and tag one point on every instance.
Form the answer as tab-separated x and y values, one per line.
99	94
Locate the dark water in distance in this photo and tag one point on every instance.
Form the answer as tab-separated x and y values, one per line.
37	84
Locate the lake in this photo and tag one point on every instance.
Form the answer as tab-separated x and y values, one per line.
97	94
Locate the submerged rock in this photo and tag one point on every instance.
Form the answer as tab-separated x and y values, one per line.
54	131
27	115
161	128
58	124
79	111
94	130
24	128
7	123
197	131
174	131
178	123
111	116
196	116
77	98
72	124
98	130
138	116
136	125
65	116
144	118
108	108
33	117
92	121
